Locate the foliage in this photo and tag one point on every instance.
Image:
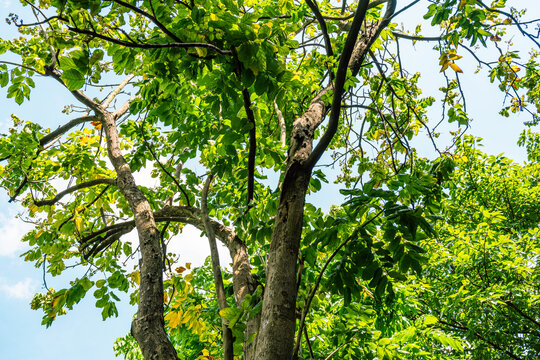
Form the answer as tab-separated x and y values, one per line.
412	260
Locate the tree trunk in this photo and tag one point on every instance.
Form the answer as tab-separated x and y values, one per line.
148	327
276	335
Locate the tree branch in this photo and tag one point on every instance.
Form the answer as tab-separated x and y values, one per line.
69	190
328	45
116	91
370	6
523	32
78	94
130	44
252	146
163	167
417	38
352	57
216	270
513	306
152	18
282	125
405	8
64	128
319	278
493	345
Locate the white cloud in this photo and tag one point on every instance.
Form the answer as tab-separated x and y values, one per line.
23	290
12	230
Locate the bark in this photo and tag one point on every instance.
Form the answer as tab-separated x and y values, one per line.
282	125
228	340
243	282
278	320
147	328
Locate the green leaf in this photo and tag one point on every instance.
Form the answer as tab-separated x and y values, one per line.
232	314
73	79
4	78
430	320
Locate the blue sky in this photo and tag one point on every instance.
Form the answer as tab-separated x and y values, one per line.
82	334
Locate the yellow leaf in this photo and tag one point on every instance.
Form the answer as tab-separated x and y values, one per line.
186	318
174	317
78	222
455	68
443	59
33	208
96	124
136	277
201	51
188	265
188	277
378	134
462	3
444	67
56	300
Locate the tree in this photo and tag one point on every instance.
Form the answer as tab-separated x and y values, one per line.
231	91
481	282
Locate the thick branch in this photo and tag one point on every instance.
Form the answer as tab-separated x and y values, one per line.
125	107
417	38
370	6
148	327
116	91
352	57
328	45
64	128
69	190
216	270
78	94
243	282
252	146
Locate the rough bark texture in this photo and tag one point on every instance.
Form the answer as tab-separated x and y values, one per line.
278	321
278	317
276	332
228	340
243	282
147	328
